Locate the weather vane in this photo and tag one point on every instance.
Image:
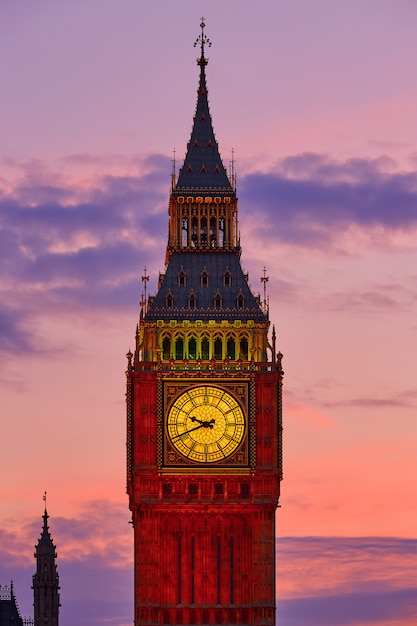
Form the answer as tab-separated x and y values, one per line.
202	39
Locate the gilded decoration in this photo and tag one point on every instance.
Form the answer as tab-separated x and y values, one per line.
204	423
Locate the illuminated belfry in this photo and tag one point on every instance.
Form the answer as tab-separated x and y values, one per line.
204	412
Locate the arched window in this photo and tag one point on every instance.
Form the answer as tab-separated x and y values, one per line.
204	278
192	348
184	232
166	348
194	232
227	278
212	232
182	278
205	349
231	348
221	232
203	231
218	349
179	348
218	300
244	349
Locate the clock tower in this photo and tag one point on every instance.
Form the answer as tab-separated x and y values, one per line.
204	412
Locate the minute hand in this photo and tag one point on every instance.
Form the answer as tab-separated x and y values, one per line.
187	431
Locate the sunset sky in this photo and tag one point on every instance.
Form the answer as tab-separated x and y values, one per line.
318	102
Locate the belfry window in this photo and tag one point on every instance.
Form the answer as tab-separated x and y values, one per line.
192	348
244	349
218	349
166	348
221	232
231	348
179	348
212	232
184	232
203	231
194	231
205	349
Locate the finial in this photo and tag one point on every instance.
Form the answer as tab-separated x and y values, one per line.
232	170
145	279
265	279
174	172
202	40
44	499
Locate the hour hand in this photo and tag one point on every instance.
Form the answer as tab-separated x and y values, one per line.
203	423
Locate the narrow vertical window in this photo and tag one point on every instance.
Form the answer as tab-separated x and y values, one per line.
179	348
166	348
221	233
192	348
203	231
205	349
184	233
219	566
244	349
212	232
231	349
232	572
218	349
179	591
192	570
194	231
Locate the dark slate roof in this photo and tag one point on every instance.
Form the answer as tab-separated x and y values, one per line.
216	264
203	170
9	611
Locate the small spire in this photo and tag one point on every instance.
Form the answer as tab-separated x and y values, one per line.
145	279
265	279
202	40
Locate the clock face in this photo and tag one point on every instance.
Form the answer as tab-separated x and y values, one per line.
206	424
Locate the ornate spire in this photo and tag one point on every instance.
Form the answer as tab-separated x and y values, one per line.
46	580
203	171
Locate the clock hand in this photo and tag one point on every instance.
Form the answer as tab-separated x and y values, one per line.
187	431
202	424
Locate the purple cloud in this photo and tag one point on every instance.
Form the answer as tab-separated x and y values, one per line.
309	198
340	581
74	248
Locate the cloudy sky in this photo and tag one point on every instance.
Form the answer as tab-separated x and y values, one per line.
317	101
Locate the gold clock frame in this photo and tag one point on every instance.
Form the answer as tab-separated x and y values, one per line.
170	459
